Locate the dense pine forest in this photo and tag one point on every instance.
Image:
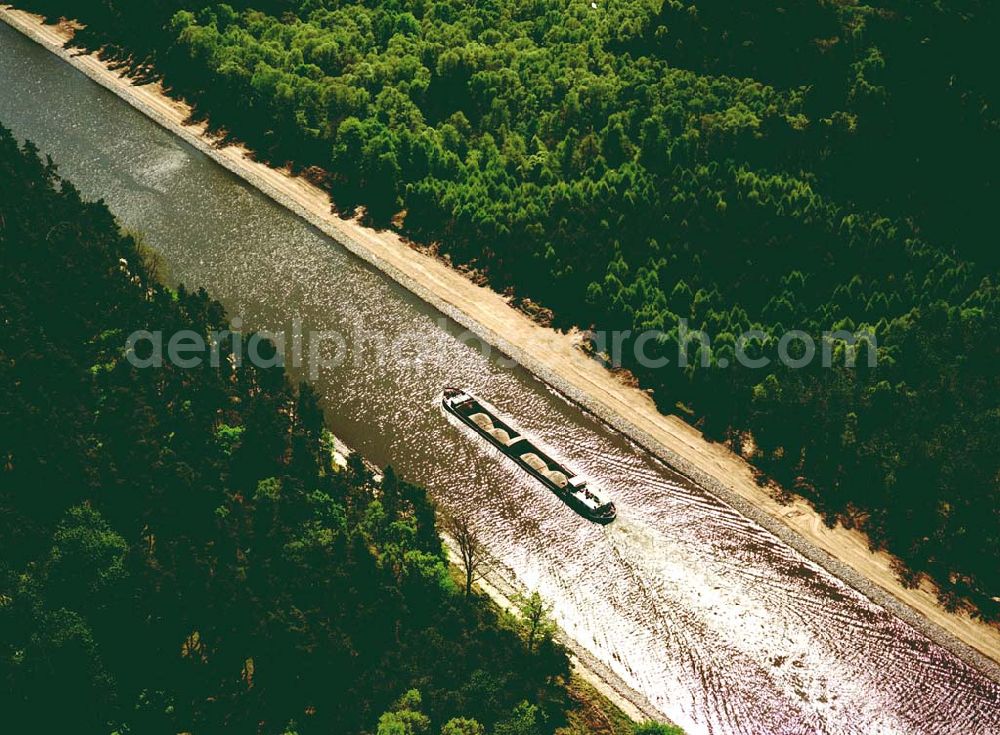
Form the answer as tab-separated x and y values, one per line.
180	552
788	164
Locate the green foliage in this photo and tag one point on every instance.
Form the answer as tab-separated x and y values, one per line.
769	166
177	555
654	728
462	726
268	490
228	437
405	718
535	619
524	720
87	560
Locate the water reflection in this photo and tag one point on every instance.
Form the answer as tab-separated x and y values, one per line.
719	624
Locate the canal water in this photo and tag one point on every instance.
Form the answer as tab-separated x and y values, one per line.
720	625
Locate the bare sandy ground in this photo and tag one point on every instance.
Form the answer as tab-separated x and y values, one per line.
556	358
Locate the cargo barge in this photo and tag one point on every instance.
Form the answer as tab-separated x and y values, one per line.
565	483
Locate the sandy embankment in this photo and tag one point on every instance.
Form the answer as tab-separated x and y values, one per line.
556	359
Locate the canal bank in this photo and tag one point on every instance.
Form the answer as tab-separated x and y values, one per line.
556	359
501	587
682	596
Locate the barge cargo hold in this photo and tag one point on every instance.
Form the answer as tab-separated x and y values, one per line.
565	483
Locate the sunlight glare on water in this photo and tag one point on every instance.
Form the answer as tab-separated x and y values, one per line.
720	625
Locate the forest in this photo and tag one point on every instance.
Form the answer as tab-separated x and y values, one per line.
180	551
815	165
